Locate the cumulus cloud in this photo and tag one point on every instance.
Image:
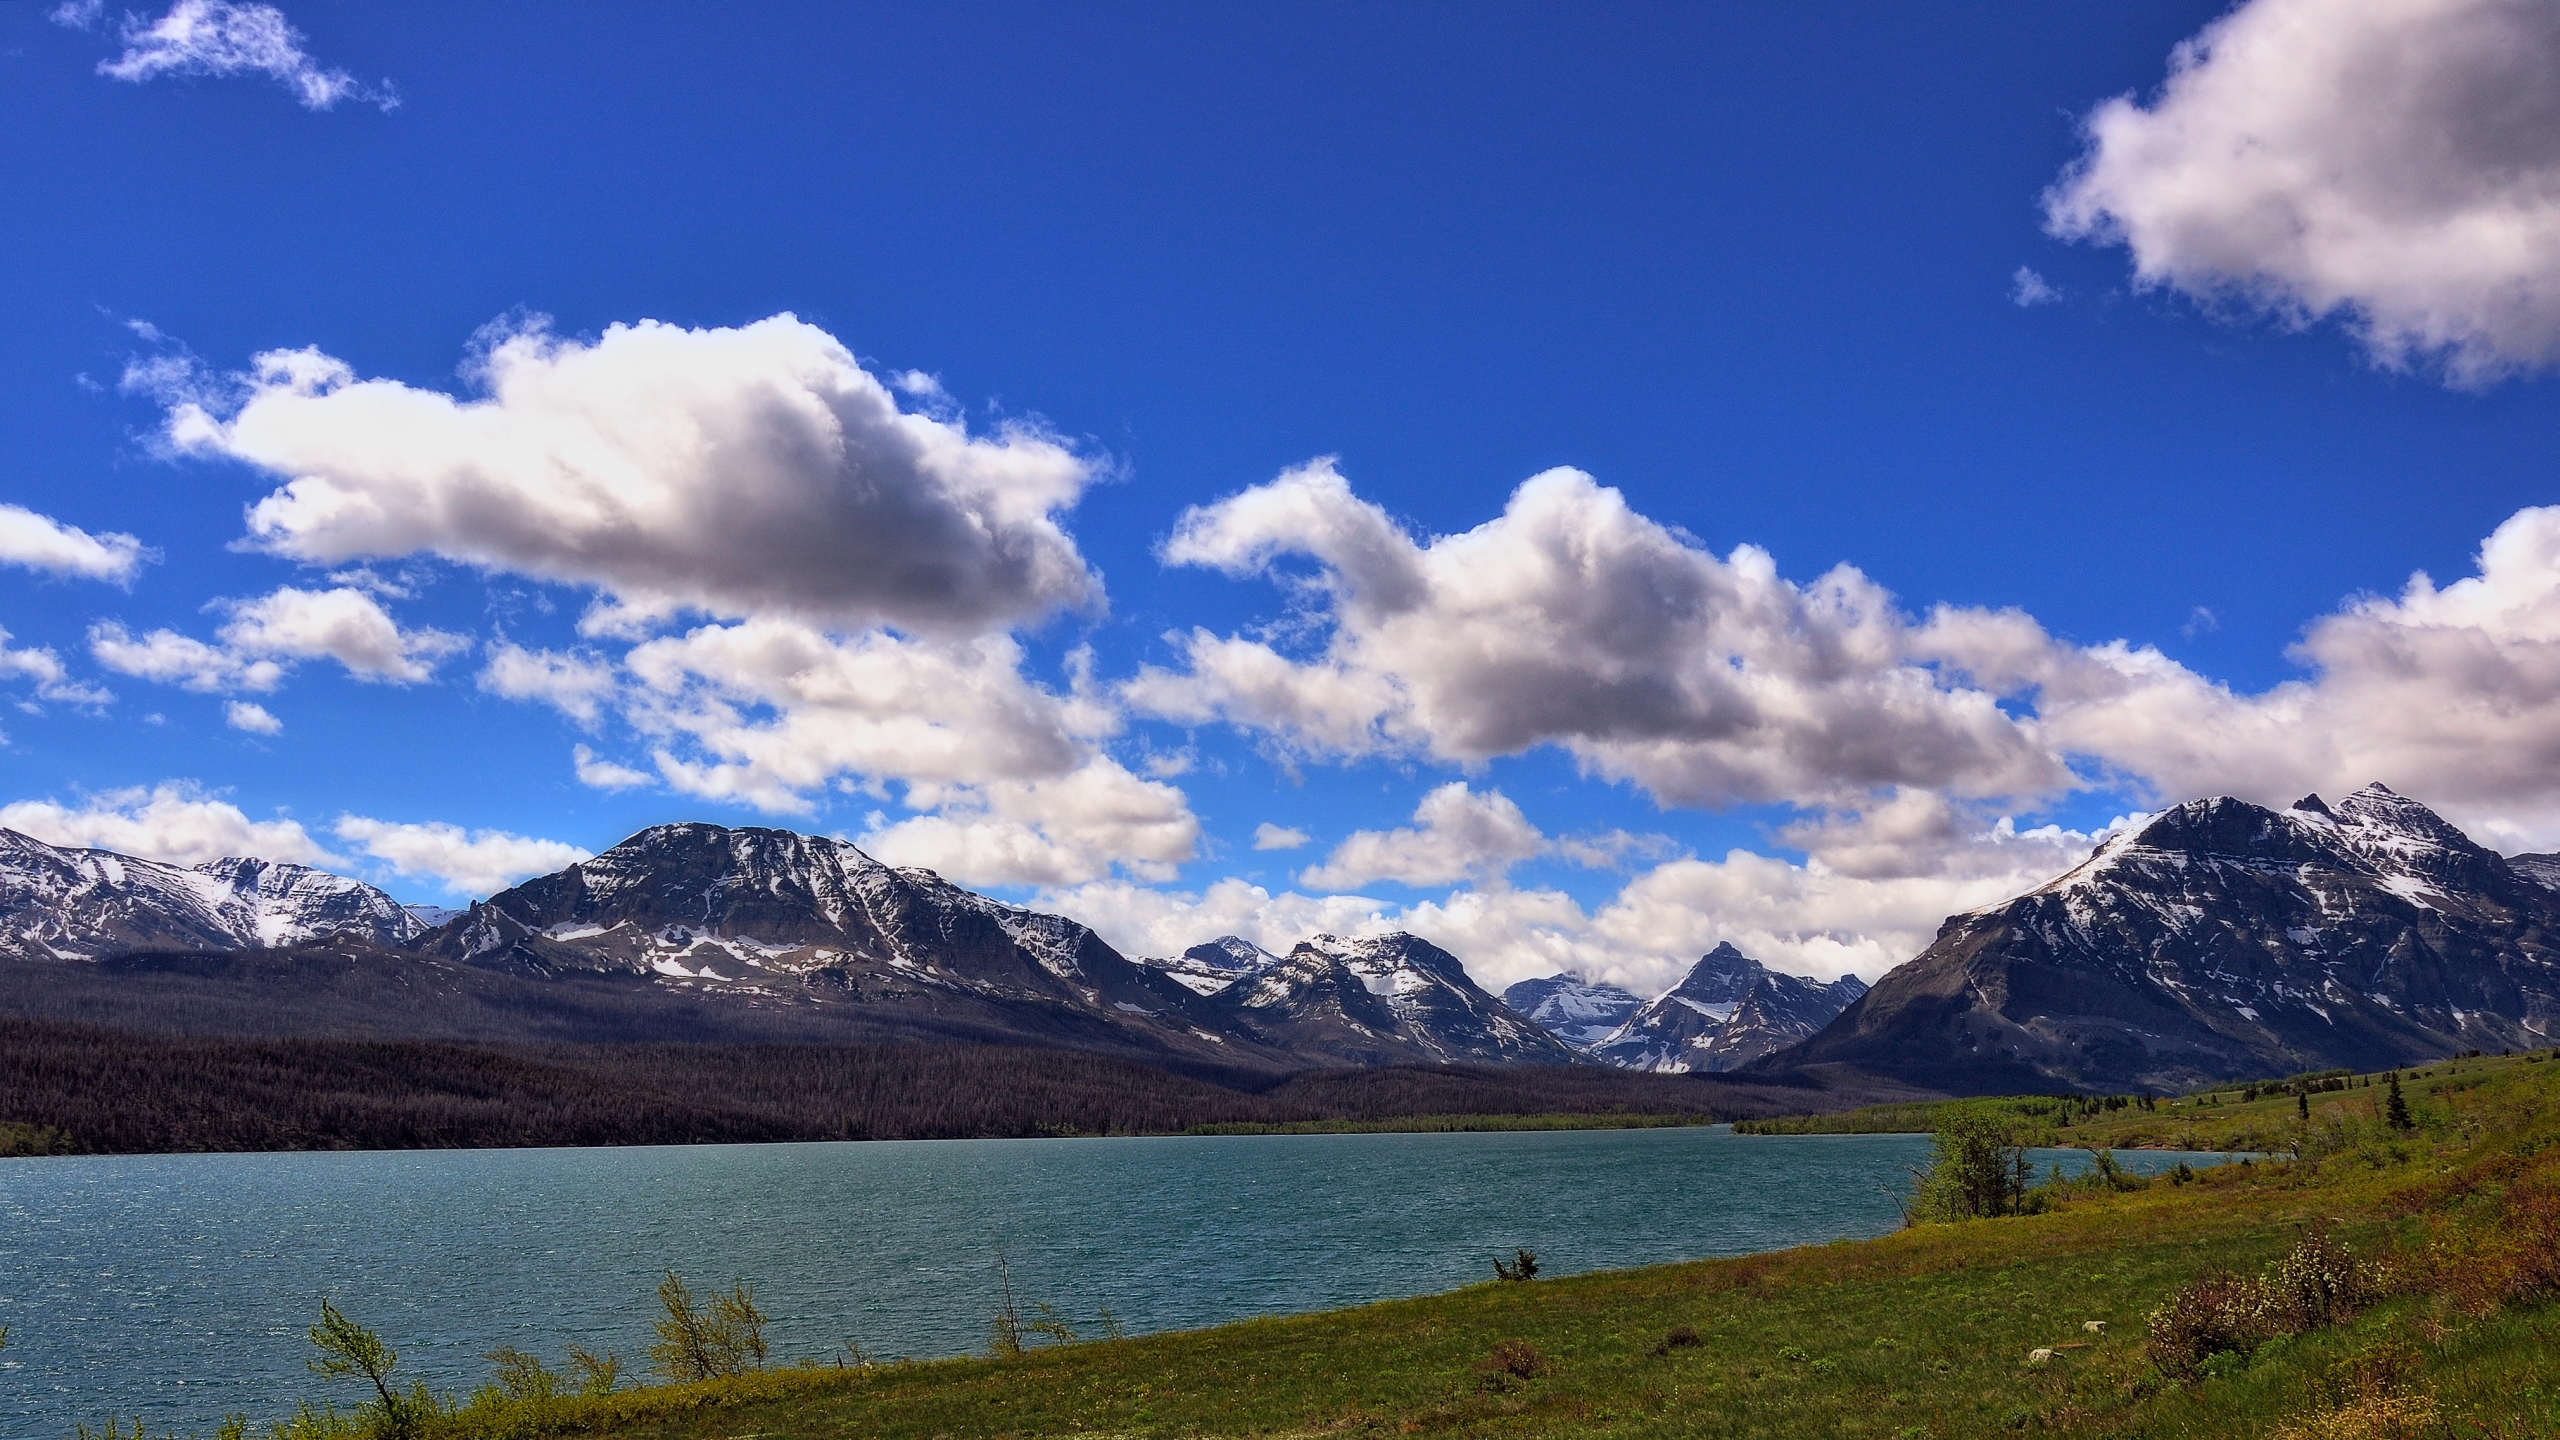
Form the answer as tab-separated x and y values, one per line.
575	684
1053	831
242	715
2445	693
1267	836
756	471
265	635
2394	162
46	545
221	38
178	822
53	681
463	862
599	773
1457	834
1006	780
1572	621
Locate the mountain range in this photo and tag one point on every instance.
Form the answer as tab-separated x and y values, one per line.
2216	940
733	934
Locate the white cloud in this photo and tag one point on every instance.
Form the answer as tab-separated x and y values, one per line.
1572	621
603	774
475	862
2444	693
345	625
242	715
2027	289
1458	835
757	471
45	668
1267	836
174	659
1061	830
220	38
2396	162
177	822
265	634
42	543
1006	779
576	684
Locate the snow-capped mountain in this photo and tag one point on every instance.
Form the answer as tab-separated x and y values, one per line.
1384	999
58	903
1210	967
1579	1012
2222	940
1728	1011
771	916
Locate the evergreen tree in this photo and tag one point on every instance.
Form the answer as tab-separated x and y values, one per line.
2395	1109
2302	1104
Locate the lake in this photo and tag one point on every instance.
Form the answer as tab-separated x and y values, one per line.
178	1287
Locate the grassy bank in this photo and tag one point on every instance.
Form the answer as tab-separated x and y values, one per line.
2262	1116
2447	1328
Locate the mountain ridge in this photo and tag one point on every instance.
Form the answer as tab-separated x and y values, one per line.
2222	940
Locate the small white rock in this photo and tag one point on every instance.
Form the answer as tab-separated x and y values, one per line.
2094	1327
2039	1356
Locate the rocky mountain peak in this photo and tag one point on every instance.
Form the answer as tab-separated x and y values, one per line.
1722	976
1579	1012
1384	999
59	902
1728	1011
2221	939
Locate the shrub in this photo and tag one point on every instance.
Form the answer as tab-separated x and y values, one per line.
2319	1283
696	1342
1976	1169
1512	1362
1523	1266
348	1349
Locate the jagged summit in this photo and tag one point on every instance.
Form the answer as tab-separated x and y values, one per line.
2221	939
1728	1011
63	903
1579	1012
1384	999
1212	966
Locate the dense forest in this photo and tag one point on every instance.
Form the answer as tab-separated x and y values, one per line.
73	1088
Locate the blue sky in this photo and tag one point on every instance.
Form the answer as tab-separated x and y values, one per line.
1756	273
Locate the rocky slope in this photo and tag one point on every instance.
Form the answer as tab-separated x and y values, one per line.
1579	1012
1212	966
58	903
2222	940
1383	1000
1728	1011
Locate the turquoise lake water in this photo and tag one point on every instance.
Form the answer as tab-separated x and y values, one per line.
178	1288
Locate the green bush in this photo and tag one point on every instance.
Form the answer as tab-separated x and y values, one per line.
697	1342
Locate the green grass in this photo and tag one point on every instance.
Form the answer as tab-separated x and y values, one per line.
1925	1332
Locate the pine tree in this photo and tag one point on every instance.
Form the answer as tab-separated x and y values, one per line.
2395	1110
2302	1103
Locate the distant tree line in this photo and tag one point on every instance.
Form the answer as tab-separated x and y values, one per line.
67	1088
